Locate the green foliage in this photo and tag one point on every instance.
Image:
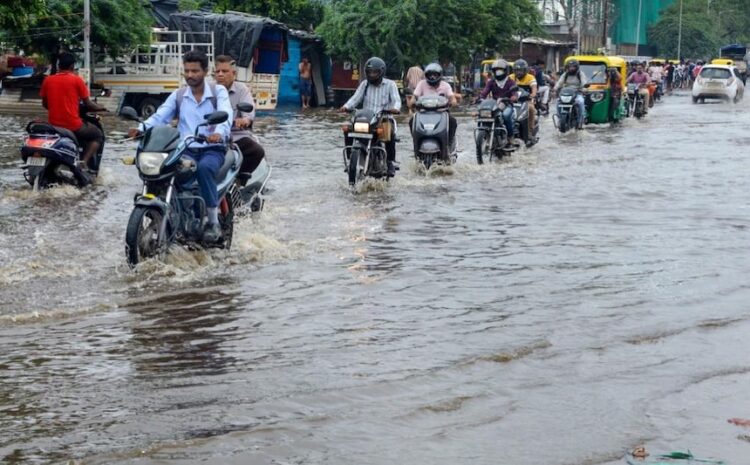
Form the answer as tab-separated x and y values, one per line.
405	32
188	5
16	14
705	27
301	14
116	25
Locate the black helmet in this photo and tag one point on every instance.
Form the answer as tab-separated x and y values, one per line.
433	73
572	63
375	70
521	67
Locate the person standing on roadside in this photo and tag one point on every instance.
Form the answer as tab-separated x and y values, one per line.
305	82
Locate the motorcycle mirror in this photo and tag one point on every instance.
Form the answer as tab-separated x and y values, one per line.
245	107
216	117
129	113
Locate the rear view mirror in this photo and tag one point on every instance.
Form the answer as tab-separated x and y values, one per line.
129	113
245	107
216	117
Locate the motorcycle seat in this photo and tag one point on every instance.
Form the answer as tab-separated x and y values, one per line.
232	159
46	128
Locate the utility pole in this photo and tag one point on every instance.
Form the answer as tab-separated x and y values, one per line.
87	41
605	12
638	30
679	35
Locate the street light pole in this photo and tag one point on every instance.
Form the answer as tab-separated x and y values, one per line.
87	40
638	30
679	35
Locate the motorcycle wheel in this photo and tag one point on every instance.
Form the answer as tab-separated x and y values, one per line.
354	166
481	136
563	125
227	224
142	235
38	182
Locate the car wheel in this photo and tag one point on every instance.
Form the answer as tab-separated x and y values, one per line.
695	99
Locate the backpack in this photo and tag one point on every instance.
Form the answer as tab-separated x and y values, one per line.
181	95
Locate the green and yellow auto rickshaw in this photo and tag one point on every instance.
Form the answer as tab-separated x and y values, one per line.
598	91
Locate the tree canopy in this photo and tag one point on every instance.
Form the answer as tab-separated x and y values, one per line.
301	14
705	27
405	32
116	25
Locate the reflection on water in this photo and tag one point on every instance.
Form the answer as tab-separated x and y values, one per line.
559	306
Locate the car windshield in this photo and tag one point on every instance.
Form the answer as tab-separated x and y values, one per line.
595	73
715	73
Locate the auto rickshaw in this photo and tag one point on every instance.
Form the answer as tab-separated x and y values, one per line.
598	91
722	61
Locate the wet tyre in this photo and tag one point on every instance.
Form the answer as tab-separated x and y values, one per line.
353	170
481	137
38	182
695	99
142	235
227	223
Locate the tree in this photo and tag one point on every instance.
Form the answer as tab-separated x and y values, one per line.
405	32
16	14
706	26
116	25
301	14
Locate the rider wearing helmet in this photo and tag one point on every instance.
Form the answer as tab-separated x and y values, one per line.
502	86
527	82
433	84
574	77
378	94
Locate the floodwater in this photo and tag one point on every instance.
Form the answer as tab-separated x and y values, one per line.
557	308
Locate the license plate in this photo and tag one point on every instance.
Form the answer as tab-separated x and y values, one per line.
361	135
36	161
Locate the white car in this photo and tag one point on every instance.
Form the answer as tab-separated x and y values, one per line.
719	82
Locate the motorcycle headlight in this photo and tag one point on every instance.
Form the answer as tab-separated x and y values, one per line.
485	113
149	163
597	96
361	127
566	98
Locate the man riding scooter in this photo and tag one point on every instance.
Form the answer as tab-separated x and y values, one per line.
61	95
527	81
574	77
433	84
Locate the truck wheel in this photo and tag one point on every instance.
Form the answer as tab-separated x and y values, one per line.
148	107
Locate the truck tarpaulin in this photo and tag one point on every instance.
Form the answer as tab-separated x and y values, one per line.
235	34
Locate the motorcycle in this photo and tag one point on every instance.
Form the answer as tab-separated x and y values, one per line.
567	110
366	156
635	102
430	132
51	154
521	126
167	212
490	135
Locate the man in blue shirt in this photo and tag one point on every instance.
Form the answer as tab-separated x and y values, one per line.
190	105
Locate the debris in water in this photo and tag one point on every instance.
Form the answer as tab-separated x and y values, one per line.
740	422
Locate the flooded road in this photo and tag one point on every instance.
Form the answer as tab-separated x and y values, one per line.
558	308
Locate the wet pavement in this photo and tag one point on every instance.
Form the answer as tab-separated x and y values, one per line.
558	308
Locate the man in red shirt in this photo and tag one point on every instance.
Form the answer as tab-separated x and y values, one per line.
61	95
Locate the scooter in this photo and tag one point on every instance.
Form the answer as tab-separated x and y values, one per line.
567	110
430	132
166	212
50	155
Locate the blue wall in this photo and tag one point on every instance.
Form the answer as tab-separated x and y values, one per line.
289	80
